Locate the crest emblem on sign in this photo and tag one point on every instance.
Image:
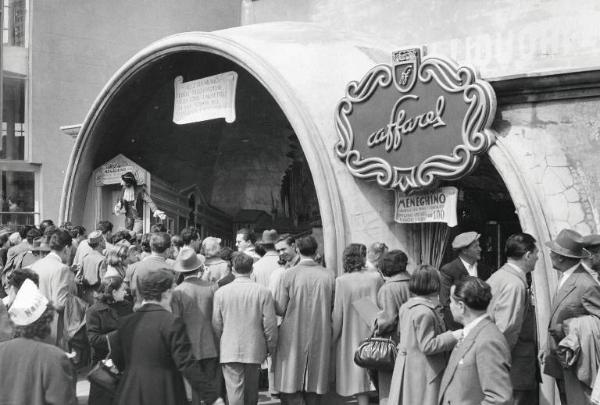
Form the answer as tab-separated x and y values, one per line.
415	122
406	63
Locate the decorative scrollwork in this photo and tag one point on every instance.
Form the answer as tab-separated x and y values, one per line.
476	137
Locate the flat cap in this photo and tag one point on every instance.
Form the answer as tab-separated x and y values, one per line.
464	239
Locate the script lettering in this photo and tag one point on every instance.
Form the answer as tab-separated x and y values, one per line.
399	125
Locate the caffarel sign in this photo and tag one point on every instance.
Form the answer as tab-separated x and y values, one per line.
415	122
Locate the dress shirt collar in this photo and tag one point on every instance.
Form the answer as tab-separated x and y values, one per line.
566	274
471	325
471	268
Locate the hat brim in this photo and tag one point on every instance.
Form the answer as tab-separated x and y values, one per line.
180	269
567	253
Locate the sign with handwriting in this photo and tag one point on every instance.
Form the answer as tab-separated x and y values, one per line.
433	206
205	99
414	122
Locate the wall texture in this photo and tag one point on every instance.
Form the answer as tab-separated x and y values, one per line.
76	46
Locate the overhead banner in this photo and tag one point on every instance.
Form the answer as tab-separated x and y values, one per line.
205	99
415	122
434	206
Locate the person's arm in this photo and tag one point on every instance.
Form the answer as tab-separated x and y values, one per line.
591	300
59	381
337	314
387	318
64	283
96	336
493	369
427	340
282	295
507	311
269	322
176	304
148	200
217	315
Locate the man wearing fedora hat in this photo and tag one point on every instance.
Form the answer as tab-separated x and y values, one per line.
192	301
131	203
577	295
466	245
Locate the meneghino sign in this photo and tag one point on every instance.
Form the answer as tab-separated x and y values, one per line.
414	122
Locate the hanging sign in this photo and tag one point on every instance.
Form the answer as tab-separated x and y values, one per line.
434	206
111	171
417	121
205	99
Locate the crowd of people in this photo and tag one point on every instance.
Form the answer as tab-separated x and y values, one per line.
186	320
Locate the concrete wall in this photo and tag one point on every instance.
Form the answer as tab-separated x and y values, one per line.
500	37
76	46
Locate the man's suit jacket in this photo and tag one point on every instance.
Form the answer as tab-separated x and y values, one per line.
244	319
513	314
578	296
450	274
478	369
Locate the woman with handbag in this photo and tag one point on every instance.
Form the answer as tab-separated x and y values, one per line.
390	298
101	319
424	345
354	288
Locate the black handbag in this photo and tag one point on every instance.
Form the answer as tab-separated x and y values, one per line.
376	353
105	374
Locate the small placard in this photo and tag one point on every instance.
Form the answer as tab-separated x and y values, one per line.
434	206
205	99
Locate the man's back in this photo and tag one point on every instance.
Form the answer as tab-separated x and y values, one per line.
244	318
147	264
192	301
264	267
56	281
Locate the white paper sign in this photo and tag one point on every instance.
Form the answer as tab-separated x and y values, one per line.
433	206
205	99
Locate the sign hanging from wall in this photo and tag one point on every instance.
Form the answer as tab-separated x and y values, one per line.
433	206
111	171
205	99
417	121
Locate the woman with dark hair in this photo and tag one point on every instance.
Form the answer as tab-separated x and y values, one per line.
349	329
424	345
101	319
152	348
390	298
34	372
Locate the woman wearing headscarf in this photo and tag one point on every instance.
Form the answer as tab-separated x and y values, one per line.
390	298
153	350
34	372
424	345
349	328
101	319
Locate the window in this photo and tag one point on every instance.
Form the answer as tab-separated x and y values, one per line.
17	196
13	27
14	129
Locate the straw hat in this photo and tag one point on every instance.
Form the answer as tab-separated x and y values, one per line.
569	243
188	260
29	304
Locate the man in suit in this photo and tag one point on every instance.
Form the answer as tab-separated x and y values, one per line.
56	280
244	319
592	264
93	266
577	295
160	242
478	371
466	246
512	311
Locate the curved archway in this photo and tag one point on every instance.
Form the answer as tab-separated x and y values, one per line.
287	85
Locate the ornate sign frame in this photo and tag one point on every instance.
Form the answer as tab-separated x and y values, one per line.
408	69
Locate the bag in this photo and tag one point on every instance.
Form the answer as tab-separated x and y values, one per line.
376	353
105	375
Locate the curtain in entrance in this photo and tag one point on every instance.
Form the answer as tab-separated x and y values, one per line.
429	242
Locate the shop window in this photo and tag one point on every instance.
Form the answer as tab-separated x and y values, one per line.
17	198
14	129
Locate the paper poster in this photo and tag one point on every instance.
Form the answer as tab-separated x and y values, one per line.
433	206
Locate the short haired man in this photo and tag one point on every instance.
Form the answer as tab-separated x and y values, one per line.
244	320
285	246
160	243
512	311
468	251
303	355
105	227
245	240
478	371
578	295
56	280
